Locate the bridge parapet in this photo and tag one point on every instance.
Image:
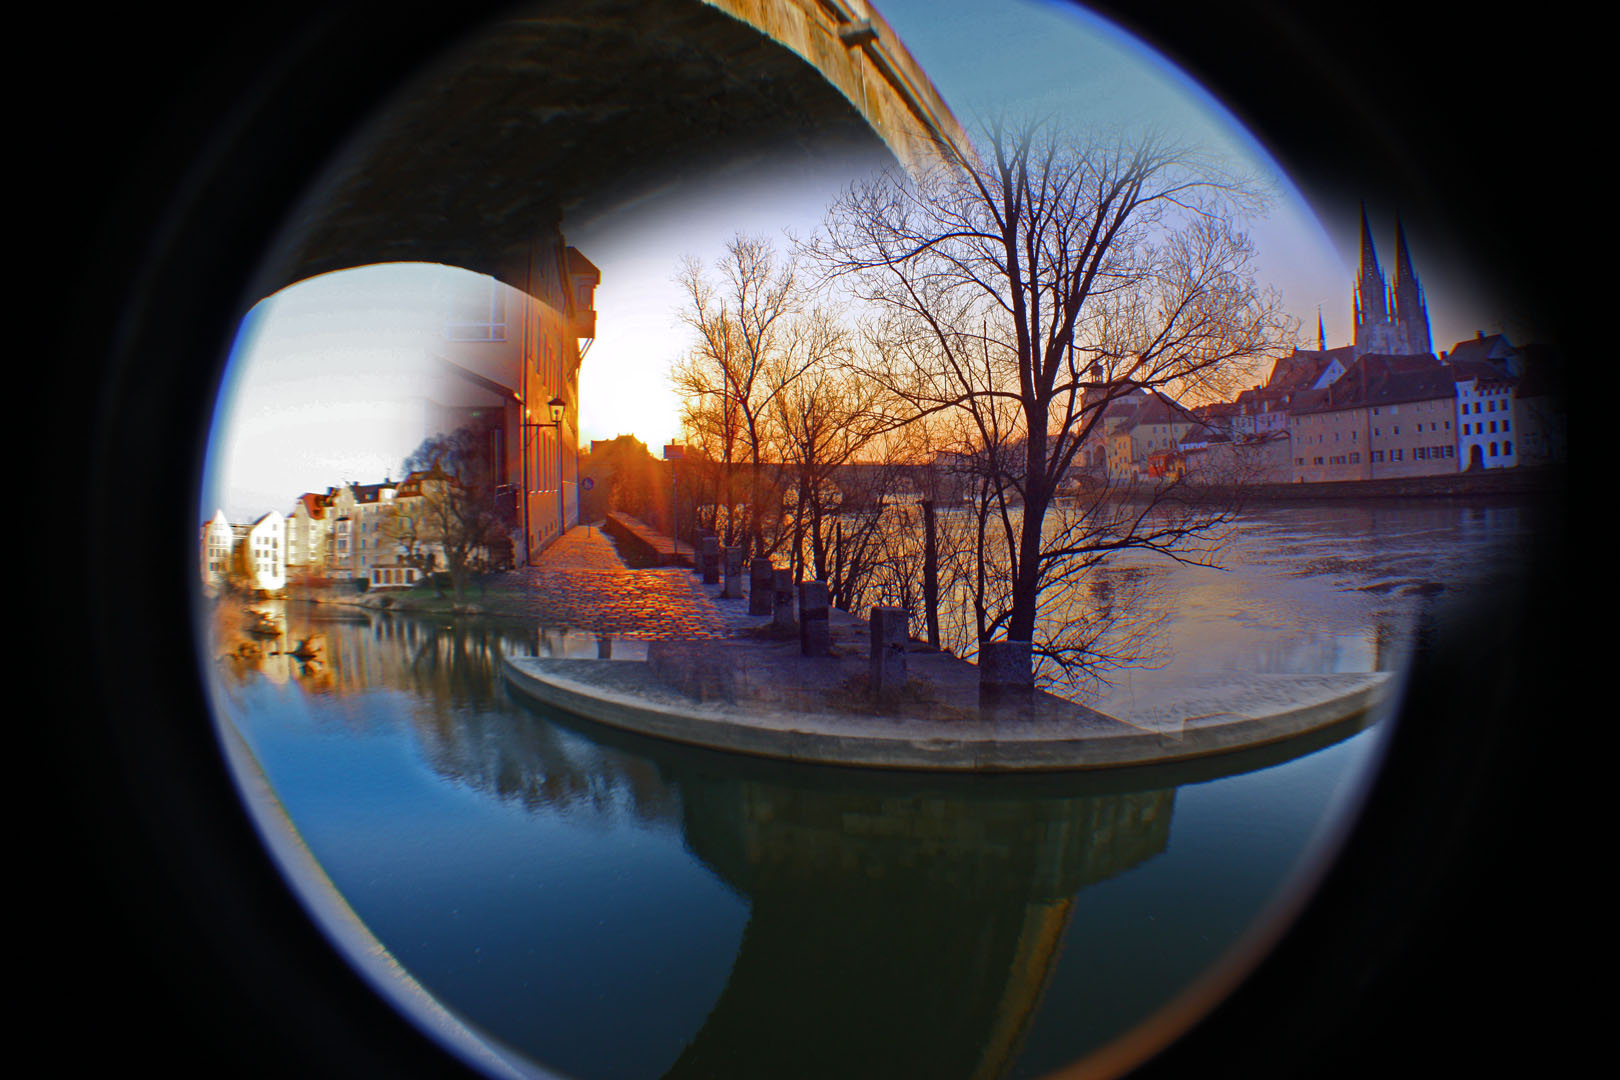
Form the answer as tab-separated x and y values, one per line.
851	45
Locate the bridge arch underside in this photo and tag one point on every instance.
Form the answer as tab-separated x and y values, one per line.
555	117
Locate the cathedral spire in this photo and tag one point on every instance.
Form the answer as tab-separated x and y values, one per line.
1410	309
1321	331
1371	297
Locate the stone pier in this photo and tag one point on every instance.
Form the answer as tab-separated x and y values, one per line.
782	600
890	628
815	634
709	559
760	595
1005	687
733	560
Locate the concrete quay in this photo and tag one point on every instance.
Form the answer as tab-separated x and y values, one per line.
753	691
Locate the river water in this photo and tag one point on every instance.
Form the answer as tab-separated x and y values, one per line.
617	907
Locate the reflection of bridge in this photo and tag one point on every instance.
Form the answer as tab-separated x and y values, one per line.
897	929
572	107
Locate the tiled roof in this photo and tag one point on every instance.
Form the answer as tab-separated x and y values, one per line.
1304	366
1160	409
1479	348
1381	380
1482	370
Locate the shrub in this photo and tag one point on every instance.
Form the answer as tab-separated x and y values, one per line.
362	584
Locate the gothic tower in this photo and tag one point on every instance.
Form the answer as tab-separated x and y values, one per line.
1371	297
1390	319
1411	311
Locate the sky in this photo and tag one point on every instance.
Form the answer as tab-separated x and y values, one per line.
313	390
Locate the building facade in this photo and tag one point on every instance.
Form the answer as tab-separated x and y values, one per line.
252	555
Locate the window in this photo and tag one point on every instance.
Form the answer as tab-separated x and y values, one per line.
1505	425
1507	449
1493	449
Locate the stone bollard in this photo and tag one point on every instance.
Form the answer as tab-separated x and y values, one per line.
815	632
760	597
733	573
1004	677
709	559
891	630
782	600
604	647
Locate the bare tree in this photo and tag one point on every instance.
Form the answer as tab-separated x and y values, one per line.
754	337
1023	292
452	504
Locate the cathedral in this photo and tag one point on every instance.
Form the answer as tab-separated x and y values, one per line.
1392	320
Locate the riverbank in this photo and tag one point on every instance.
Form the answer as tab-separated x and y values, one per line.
942	729
1535	483
748	690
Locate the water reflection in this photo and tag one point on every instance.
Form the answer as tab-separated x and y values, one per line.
614	906
897	932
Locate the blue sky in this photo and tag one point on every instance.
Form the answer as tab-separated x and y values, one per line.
312	396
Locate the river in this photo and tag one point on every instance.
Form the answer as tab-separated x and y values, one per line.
609	906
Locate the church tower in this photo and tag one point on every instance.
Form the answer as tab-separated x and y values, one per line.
1411	310
1391	320
1371	298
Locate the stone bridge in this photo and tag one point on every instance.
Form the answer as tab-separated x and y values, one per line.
569	108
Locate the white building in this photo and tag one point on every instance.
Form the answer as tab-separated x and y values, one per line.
264	553
1485	417
254	554
218	545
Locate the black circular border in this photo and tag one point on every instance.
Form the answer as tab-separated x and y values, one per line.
172	153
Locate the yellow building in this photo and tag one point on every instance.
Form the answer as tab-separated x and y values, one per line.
1385	417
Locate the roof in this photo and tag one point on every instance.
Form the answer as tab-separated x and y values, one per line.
1378	380
580	266
1159	409
1484	347
1480	370
1304	366
314	505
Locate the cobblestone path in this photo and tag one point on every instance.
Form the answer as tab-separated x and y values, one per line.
582	584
